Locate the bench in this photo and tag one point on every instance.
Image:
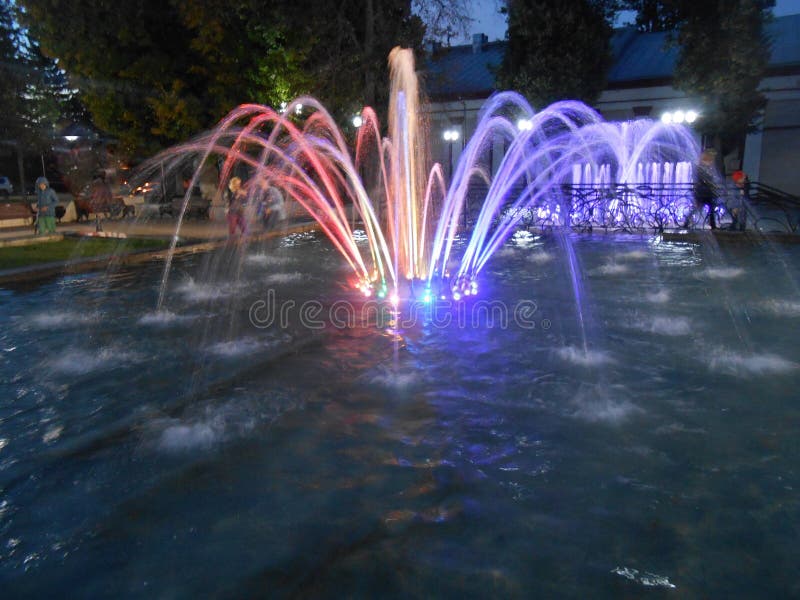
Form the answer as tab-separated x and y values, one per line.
15	214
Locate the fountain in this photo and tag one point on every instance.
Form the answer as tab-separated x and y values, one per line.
413	221
506	448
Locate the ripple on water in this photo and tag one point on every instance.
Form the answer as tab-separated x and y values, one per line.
643	577
206	427
269	259
285	277
721	273
584	358
200	292
603	404
666	325
540	257
396	379
633	255
79	361
60	319
781	308
506	251
245	346
742	365
164	318
659	297
182	437
612	269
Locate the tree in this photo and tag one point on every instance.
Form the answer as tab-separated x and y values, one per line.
152	73
34	95
444	19
724	54
654	15
557	50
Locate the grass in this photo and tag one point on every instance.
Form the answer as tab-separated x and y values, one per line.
72	248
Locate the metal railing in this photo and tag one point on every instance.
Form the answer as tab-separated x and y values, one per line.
647	207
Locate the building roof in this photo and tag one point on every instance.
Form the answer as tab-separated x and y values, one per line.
640	59
784	33
460	72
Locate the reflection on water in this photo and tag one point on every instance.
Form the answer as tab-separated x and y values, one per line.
186	452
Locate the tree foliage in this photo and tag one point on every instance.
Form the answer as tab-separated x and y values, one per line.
33	94
654	15
557	50
724	54
150	72
153	73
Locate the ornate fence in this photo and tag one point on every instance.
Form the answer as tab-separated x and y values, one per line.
649	207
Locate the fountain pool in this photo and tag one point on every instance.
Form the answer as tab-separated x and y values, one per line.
187	451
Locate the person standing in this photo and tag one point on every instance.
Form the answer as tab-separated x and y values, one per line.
101	196
275	211
705	187
46	202
235	200
742	200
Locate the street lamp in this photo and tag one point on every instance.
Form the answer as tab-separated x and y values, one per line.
679	116
451	135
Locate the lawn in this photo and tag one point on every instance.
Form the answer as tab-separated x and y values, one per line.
72	248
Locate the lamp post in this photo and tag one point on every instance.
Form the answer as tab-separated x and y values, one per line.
450	135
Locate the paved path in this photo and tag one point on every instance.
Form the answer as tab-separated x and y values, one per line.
158	228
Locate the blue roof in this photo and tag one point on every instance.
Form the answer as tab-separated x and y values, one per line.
459	72
641	56
784	33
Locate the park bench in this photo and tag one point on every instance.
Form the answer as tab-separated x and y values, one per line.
15	214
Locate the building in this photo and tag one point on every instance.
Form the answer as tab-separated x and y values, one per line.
459	79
